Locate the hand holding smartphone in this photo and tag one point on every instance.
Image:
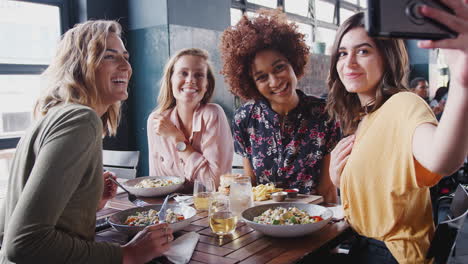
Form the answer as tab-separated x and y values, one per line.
402	19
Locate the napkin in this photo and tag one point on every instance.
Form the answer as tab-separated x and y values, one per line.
182	248
184	199
338	212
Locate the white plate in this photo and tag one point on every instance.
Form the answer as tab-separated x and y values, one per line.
118	219
156	191
287	230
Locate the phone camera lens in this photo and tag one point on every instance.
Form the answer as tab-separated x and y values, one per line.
412	11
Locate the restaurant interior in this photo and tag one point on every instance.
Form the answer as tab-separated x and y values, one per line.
153	31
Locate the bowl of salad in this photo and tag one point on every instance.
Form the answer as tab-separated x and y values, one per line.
151	186
287	219
133	220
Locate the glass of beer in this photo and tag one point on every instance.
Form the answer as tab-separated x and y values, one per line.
222	220
202	192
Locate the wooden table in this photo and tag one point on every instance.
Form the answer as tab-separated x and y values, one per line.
245	245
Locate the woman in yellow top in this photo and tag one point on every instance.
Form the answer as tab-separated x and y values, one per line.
395	149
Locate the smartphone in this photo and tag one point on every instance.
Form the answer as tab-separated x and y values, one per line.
401	19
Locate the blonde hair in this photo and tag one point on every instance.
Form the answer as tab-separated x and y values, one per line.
166	99
71	75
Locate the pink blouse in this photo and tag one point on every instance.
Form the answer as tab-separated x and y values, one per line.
211	138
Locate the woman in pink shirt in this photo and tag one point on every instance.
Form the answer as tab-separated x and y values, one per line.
187	136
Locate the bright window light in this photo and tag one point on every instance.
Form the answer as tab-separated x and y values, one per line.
324	11
29	32
267	3
299	7
236	15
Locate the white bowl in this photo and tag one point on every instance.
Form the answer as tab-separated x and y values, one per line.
118	219
287	230
156	191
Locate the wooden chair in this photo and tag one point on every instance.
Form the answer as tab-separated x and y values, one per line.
123	163
443	244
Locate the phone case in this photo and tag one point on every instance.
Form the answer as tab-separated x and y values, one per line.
401	19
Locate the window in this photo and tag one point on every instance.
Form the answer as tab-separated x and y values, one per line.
27	46
306	29
299	7
363	3
267	3
324	11
345	14
236	15
325	35
29	34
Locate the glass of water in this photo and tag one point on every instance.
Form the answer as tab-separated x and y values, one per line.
241	195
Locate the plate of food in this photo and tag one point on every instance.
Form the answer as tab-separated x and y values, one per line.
151	186
133	220
287	219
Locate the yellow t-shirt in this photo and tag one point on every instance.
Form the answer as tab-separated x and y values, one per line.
381	194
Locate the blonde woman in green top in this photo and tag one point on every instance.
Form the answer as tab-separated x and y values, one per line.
56	182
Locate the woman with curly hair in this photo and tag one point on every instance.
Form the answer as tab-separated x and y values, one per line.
282	134
186	131
395	149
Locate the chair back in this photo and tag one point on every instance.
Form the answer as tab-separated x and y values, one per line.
447	232
123	163
460	202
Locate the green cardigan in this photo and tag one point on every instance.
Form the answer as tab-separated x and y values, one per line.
54	188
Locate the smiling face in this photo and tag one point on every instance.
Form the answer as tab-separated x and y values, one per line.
274	77
114	72
360	65
189	79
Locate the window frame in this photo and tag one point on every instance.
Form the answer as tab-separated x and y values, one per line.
245	6
34	69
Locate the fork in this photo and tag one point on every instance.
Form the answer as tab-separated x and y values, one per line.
162	211
131	197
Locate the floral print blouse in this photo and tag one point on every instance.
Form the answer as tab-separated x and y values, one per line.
290	157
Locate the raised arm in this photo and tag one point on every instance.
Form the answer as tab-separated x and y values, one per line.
442	149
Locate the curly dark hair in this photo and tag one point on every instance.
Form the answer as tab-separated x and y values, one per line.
269	30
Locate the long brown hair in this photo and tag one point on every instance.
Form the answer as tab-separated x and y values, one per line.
166	99
71	75
345	106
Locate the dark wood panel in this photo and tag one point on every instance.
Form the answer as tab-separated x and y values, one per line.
194	262
264	255
106	212
193	228
211	238
212	249
244	240
250	249
208	258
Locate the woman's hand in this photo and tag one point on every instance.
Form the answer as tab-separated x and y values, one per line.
456	50
148	244
110	189
339	157
164	127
